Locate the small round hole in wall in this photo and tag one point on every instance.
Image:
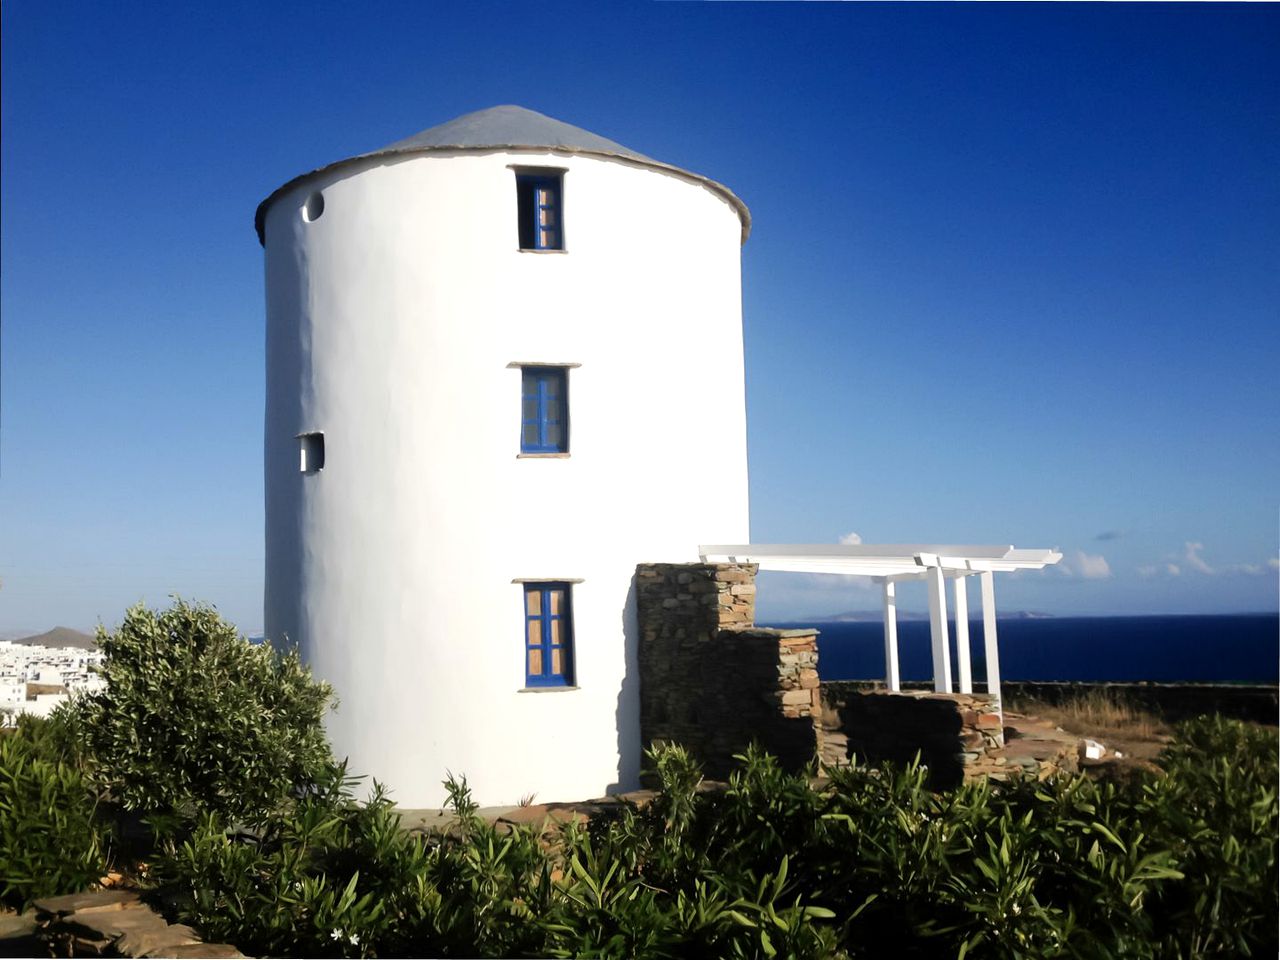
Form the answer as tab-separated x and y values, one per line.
314	207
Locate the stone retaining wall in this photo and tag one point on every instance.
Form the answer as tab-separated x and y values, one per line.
1259	703
1256	702
710	680
713	682
950	731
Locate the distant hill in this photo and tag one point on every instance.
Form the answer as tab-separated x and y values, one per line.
877	616
61	637
866	616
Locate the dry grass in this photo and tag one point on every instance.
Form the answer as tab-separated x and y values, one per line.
1104	713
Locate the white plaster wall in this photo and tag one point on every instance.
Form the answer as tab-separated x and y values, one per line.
391	321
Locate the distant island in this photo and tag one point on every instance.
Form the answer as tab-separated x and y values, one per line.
876	616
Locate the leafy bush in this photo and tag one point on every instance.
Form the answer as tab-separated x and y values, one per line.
195	718
49	844
336	878
1217	811
872	865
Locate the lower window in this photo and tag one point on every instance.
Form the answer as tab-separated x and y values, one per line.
548	632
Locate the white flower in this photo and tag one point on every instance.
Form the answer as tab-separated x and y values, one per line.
353	939
336	935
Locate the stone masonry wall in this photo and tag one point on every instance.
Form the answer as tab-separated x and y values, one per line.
954	733
713	682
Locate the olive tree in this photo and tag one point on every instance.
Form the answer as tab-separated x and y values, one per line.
194	717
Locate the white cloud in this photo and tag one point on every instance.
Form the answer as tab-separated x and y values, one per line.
1092	566
1254	569
1193	559
1019	574
850	539
837	582
1089	566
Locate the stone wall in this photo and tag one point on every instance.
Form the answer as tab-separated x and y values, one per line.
1258	703
954	733
712	681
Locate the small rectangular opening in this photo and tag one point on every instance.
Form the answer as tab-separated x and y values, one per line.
540	210
311	452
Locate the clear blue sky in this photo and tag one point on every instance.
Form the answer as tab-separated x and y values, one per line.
1014	275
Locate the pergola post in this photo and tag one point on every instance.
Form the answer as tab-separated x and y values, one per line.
989	641
964	668
938	630
892	677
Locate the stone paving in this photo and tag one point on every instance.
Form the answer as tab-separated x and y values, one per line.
101	923
544	816
1032	747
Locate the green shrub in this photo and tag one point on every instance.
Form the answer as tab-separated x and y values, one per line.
872	865
49	844
332	877
195	718
1217	810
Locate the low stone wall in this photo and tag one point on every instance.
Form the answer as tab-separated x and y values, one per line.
950	731
1259	703
1256	702
711	681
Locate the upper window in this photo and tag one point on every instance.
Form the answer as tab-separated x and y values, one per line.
311	452
538	199
544	410
548	635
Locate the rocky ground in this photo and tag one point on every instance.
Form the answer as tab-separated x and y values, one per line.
100	923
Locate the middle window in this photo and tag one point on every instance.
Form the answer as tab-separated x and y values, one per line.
548	644
544	410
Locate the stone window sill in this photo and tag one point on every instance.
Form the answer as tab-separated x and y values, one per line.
542	456
547	689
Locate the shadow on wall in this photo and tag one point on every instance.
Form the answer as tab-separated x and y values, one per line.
628	713
896	728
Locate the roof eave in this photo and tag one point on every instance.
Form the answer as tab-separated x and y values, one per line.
744	215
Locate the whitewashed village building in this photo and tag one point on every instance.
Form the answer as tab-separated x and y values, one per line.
494	350
36	679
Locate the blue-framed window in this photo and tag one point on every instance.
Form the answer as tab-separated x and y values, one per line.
548	635
544	410
540	210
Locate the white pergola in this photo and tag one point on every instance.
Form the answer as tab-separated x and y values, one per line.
890	564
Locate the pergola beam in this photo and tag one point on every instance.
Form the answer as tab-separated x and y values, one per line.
890	564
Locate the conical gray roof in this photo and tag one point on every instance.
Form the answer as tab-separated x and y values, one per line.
512	126
509	127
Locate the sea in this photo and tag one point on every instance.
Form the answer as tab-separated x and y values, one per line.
1240	648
